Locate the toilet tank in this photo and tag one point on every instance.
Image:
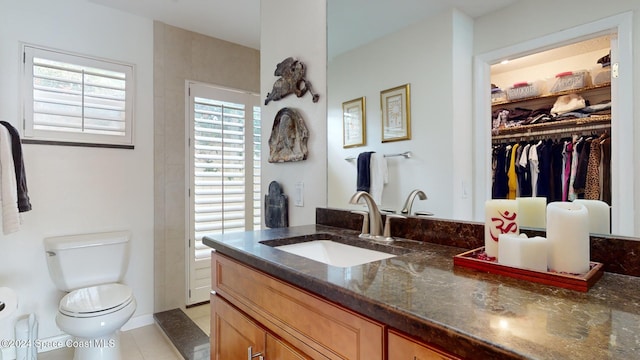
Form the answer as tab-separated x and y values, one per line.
78	261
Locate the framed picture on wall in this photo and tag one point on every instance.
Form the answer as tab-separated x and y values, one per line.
396	113
354	119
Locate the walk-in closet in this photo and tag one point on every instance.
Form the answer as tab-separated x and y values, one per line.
551	121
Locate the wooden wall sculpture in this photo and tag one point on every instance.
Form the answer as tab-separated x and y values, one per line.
289	135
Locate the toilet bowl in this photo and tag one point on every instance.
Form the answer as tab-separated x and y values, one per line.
93	316
90	267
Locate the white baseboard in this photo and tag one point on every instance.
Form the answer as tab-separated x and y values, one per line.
53	342
59	341
138	321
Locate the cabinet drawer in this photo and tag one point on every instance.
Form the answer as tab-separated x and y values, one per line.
404	348
304	320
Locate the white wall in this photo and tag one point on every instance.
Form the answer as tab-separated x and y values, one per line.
508	27
296	28
434	56
77	189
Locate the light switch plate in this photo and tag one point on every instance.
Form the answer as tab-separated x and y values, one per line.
299	194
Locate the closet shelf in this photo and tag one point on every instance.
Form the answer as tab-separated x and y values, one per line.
556	127
554	95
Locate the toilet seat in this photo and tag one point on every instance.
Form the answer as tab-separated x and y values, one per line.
96	300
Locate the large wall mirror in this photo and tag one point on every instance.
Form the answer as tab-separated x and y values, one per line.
450	148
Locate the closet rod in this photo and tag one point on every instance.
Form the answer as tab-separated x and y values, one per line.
406	155
542	133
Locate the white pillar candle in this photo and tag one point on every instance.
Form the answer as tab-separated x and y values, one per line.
568	237
599	215
532	212
500	218
523	252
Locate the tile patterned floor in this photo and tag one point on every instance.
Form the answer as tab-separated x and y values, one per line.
151	342
201	315
144	343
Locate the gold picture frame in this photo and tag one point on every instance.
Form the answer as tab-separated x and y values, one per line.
395	104
354	123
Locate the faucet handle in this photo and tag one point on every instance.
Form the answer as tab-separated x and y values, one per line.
387	225
365	222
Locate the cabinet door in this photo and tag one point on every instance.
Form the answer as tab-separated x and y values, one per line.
278	350
403	348
232	333
313	325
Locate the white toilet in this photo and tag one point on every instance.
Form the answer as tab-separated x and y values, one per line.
90	268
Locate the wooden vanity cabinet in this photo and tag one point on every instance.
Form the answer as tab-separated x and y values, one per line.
279	350
281	321
401	347
236	336
233	333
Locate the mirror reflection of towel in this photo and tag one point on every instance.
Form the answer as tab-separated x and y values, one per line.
379	176
363	181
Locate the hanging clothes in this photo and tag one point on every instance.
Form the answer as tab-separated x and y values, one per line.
534	168
544	166
524	172
592	189
574	167
580	182
513	180
559	169
500	189
605	147
567	155
555	176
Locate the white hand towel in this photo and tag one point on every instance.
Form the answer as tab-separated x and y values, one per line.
379	176
8	186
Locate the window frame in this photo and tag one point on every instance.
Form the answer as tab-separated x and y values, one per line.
32	135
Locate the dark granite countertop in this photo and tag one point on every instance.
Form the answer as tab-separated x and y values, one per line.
469	313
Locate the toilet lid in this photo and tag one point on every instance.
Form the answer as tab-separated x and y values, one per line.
95	299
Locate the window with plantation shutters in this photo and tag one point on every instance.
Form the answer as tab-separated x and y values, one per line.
75	99
225	191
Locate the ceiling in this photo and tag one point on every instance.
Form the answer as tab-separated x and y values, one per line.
597	43
351	23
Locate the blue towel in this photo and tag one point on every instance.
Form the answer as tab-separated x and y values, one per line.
364	171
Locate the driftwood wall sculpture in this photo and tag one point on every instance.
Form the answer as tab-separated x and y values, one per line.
289	135
291	81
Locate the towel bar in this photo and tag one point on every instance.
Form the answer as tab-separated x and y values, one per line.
406	155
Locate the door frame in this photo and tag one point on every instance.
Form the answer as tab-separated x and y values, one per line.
622	150
231	95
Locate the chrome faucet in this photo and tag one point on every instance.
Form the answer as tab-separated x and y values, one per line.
375	219
406	209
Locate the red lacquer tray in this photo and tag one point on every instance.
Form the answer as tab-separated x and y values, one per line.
578	282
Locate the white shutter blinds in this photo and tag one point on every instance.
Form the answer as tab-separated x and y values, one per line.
224	187
219	164
77	99
257	143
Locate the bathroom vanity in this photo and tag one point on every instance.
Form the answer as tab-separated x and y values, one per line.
415	305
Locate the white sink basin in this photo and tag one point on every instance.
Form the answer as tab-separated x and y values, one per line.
334	253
